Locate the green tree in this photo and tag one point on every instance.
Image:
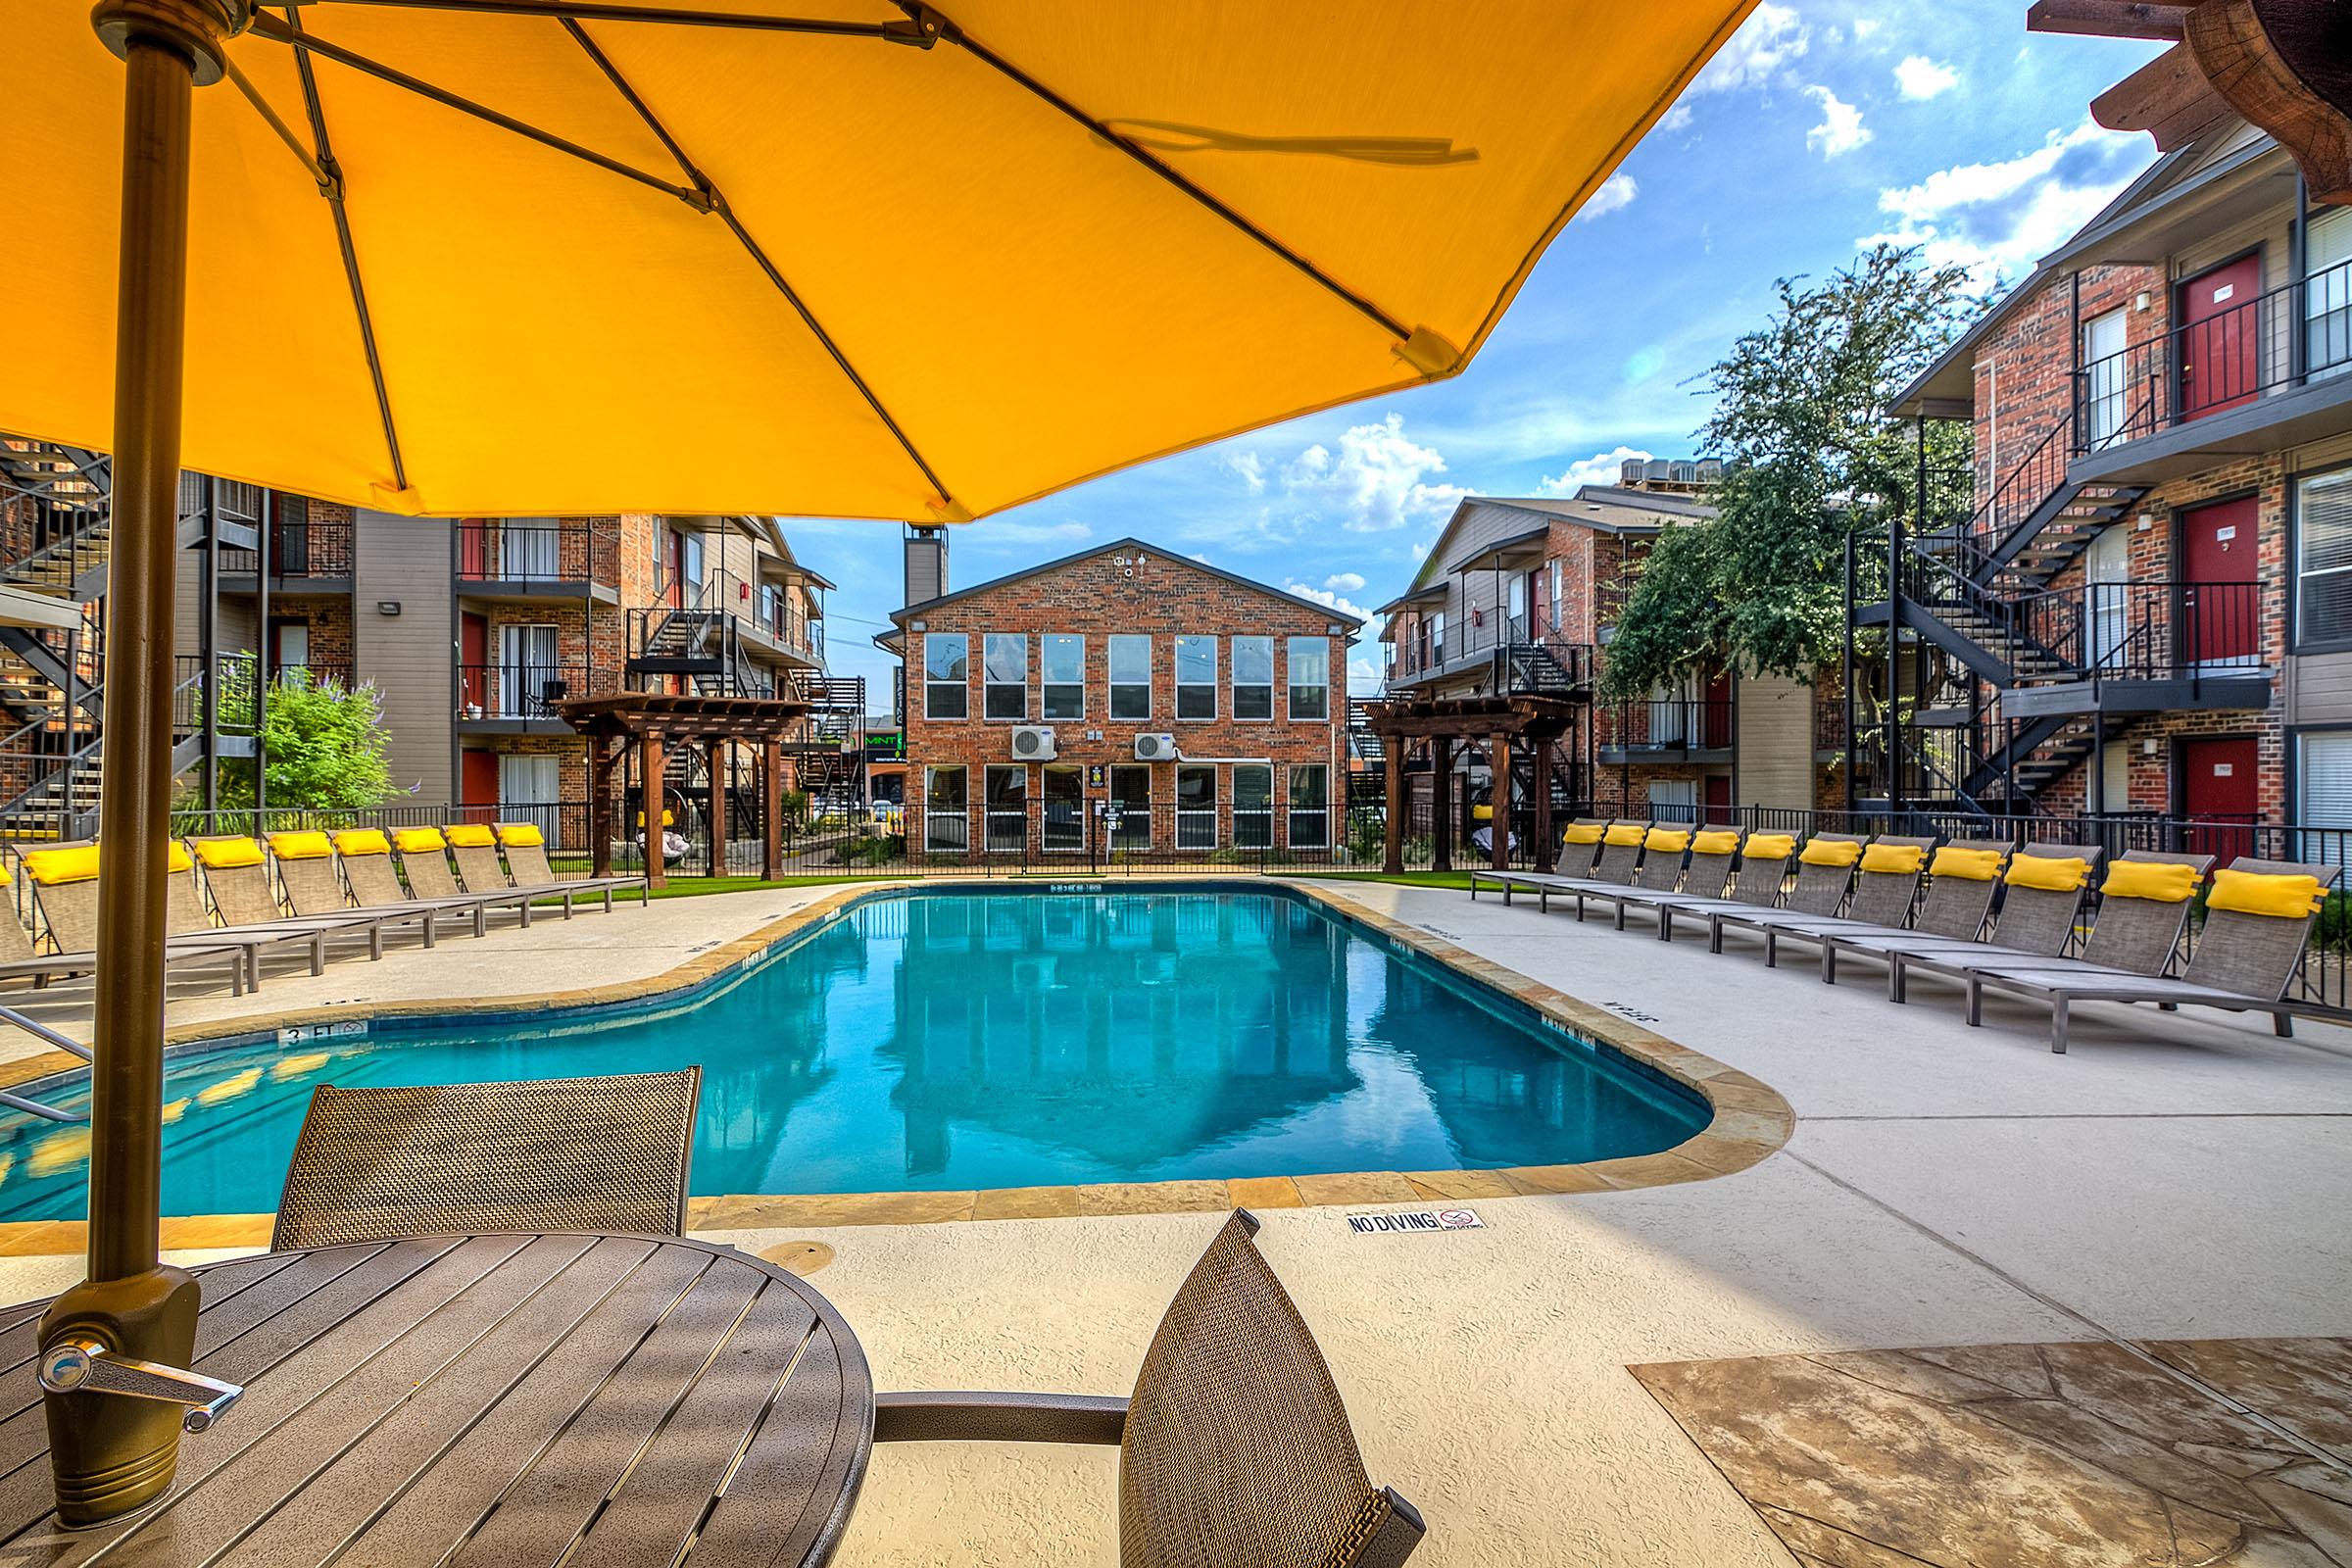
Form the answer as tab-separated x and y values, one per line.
327	745
1810	457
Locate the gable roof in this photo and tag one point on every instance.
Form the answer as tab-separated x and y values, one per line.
1142	545
1607	508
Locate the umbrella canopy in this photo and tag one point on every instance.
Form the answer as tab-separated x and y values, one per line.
524	256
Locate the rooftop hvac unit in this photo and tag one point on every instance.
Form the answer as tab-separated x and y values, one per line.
1630	471
1710	470
1033	742
1685	472
1657	469
1156	747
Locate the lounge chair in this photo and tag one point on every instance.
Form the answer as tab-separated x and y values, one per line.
526	860
2244	958
65	904
377	1163
236	874
1660	874
1234	1447
1824	872
366	855
1763	870
1963	878
2133	934
1580	850
2033	922
425	861
1619	861
313	887
1713	849
1884	894
19	959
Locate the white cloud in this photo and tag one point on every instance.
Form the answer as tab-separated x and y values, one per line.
2000	217
1920	77
1248	466
1421	550
1379	478
1616	191
1324	596
1864	26
1602	467
1840	130
1346	582
1772	36
1677	119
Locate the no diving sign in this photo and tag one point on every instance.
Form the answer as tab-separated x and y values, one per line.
1416	1220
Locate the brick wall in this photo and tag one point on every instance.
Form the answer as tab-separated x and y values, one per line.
1164	597
2024	369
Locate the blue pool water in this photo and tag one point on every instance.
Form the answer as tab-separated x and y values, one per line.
928	1040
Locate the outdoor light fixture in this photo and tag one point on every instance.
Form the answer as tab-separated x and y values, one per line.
387	607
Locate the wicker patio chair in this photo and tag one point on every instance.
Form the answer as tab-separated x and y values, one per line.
2242	963
1955	909
1819	889
1234	1448
2030	923
526	860
605	1154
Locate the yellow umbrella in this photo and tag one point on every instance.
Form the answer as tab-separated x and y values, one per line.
841	256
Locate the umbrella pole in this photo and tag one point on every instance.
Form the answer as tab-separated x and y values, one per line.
108	1454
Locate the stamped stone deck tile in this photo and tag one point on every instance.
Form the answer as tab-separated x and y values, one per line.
1152	1198
1541	1180
1265	1191
42	1237
1356	1187
1461	1184
2303	1384
1026	1202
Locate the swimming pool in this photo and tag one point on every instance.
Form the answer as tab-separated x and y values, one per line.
928	1040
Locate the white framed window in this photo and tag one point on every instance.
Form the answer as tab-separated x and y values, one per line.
1253	677
1064	829
2324	796
527	671
2106	377
1196	806
2324	558
1130	805
1437	637
1311	677
1196	677
1252	805
2327	293
1004	675
1552	598
946	824
1310	806
1130	678
530	790
947	671
1006	789
1061	674
1515	609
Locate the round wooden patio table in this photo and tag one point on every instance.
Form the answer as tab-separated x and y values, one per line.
488	1400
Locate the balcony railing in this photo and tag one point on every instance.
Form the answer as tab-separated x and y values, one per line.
300	551
553	555
2143	630
233	688
525	690
1516	662
2292	336
1675	726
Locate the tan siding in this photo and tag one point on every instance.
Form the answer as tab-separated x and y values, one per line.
2319	689
1775	742
408	656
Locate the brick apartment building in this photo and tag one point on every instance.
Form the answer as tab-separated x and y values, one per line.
1519	595
469	628
2146	606
1124	698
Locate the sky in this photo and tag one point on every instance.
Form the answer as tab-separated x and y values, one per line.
1821	128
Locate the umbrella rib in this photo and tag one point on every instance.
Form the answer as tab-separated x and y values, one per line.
727	215
1012	72
905	33
331	187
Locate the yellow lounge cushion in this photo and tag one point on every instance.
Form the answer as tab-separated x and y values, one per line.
1828	852
1482	813
2288	896
175	856
1624	833
1583	833
2150	879
1895	860
1667	840
53	867
362	841
1722	841
1969	865
228	855
521	835
299	846
1770	846
418	840
472	836
2049	873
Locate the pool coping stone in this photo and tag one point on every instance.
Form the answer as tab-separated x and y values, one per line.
1750	1121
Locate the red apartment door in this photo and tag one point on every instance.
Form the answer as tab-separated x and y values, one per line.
478	783
2219	610
1719	797
1715	718
473	554
474	662
2219	785
2220	338
1539	603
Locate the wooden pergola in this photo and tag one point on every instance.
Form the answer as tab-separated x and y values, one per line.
1501	723
652	722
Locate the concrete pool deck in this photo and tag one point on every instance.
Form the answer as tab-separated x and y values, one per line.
2174	1177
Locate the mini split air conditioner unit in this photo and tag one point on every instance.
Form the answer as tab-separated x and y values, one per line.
1033	742
1156	747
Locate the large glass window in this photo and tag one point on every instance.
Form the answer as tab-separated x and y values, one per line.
1196	677
1310	806
1437	637
1311	677
1005	671
945	825
2323	796
947	658
2324	550
1007	805
1130	807
1130	678
1196	806
1252	805
2327	293
1065	808
1061	660
1253	677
